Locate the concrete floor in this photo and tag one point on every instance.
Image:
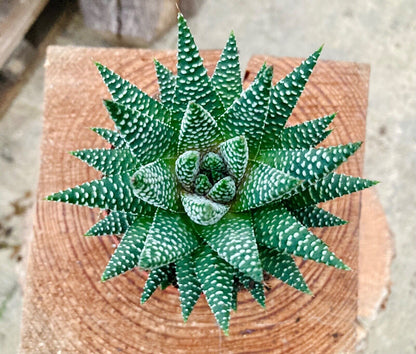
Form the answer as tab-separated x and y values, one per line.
378	32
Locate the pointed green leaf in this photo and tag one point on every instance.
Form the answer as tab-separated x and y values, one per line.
126	255
132	97
235	153
213	166
202	184
246	116
227	74
277	228
148	138
216	278
186	168
113	137
283	99
199	131
109	162
223	191
263	185
233	239
202	210
171	277
256	288
170	238
312	216
189	287
283	267
167	82
156	184
156	277
234	301
192	82
113	193
116	223
308	164
304	135
332	186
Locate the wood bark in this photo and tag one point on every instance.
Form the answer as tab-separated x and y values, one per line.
67	309
133	22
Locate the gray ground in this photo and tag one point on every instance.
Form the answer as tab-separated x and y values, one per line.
379	32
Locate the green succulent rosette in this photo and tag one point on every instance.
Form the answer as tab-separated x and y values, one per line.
208	188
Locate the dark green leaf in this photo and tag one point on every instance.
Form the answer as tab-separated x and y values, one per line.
113	193
189	287
202	210
283	267
156	184
113	137
246	116
116	223
304	135
170	238
312	216
132	97
192	82
227	74
167	82
235	153
332	186
148	138
187	167
283	99
263	185
109	162
223	191
277	228
156	277
199	131
217	279
126	255
233	239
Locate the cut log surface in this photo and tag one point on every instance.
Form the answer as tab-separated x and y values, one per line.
68	309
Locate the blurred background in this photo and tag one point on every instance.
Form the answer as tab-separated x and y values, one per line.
379	32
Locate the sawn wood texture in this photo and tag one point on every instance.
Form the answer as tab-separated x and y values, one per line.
67	308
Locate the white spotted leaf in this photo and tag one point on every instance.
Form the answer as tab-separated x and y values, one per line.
227	74
116	223
201	210
304	135
147	138
156	184
188	284
276	228
127	253
283	99
167	82
114	193
246	116
263	185
111	136
192	81
283	267
108	161
199	131
233	239
235	154
216	277
312	216
170	238
131	96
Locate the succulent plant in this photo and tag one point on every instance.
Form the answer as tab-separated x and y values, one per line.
208	188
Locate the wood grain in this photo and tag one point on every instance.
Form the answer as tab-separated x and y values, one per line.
67	308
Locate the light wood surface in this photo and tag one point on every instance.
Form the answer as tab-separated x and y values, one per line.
67	309
20	16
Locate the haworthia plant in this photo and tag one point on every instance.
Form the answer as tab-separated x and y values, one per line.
208	187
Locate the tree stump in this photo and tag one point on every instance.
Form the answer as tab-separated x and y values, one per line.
67	308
